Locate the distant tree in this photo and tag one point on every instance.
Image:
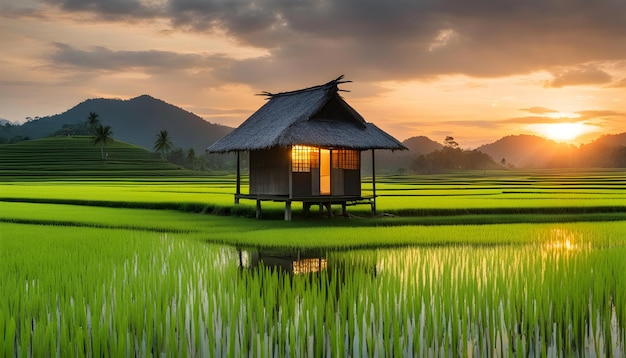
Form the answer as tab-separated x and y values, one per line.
191	158
93	121
177	156
451	157
6	128
450	142
103	136
163	143
619	157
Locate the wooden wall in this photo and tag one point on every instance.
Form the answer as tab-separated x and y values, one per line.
352	182
302	184
336	182
269	171
343	182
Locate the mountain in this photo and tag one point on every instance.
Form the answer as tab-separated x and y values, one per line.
421	145
607	151
393	162
136	121
610	140
529	151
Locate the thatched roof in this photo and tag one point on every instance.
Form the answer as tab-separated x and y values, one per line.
315	116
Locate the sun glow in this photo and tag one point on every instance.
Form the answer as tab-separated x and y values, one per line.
561	132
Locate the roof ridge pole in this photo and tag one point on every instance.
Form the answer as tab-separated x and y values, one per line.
373	183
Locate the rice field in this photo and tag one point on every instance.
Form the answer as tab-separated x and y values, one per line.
510	193
136	267
76	157
559	291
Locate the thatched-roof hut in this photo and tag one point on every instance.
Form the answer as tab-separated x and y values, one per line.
306	145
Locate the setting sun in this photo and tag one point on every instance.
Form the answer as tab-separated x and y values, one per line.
568	131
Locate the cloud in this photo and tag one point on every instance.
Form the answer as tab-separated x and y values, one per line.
443	38
221	111
587	117
111	10
589	114
538	110
396	40
477	124
619	84
527	120
193	68
582	75
103	58
611	121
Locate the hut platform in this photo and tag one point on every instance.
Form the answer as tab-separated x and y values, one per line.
307	201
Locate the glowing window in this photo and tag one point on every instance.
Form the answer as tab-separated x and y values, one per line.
346	159
304	266
304	158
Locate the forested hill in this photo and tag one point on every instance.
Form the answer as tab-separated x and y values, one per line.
136	121
529	151
400	160
610	140
526	150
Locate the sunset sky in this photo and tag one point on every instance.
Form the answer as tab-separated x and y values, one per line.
474	70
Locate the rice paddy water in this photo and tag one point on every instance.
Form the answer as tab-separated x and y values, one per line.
94	292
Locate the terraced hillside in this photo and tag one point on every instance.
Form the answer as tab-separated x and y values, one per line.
77	157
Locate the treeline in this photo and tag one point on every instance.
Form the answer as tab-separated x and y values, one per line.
536	152
189	159
591	156
451	157
8	137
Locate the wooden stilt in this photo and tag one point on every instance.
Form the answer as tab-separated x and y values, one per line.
373	184
344	212
238	187
288	210
306	208
329	208
258	209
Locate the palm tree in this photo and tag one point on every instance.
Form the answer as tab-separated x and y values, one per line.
163	143
103	136
93	121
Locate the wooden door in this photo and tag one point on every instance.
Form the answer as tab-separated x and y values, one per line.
324	172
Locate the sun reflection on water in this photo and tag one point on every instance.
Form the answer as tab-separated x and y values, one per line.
564	240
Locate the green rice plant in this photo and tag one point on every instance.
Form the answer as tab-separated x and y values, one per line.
510	192
85	281
425	300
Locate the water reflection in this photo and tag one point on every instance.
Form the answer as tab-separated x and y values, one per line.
305	262
295	262
564	240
